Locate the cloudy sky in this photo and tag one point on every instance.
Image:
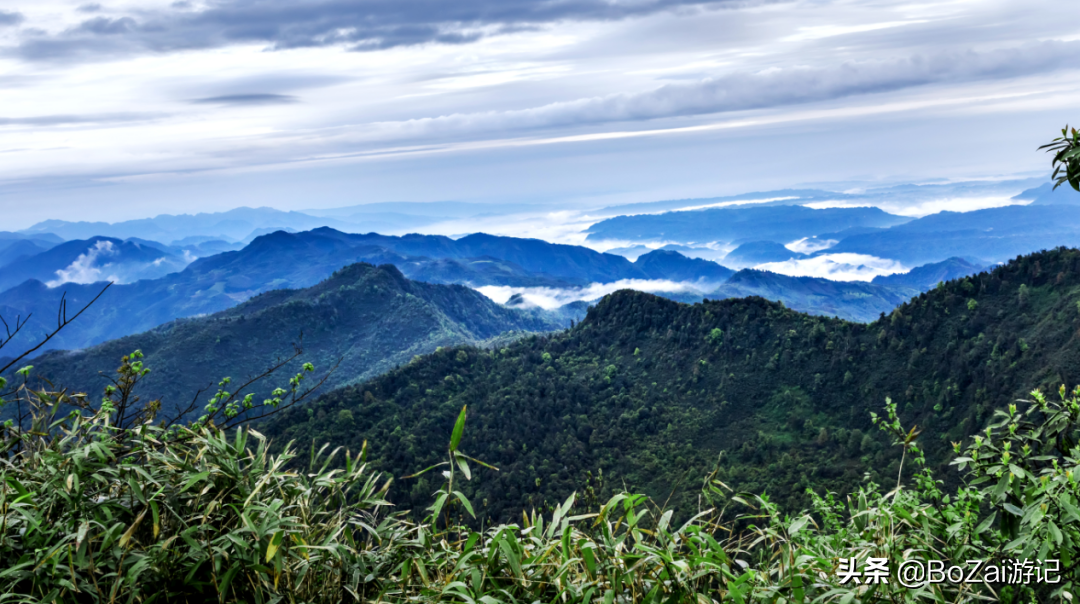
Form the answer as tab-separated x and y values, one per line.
131	108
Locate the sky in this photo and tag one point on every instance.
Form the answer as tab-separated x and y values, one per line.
128	109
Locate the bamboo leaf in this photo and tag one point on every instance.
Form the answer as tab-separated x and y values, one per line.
274	545
459	429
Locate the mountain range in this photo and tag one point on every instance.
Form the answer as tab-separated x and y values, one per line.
298	260
739	224
991	235
650	395
363	319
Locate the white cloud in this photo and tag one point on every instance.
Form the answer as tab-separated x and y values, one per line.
808	245
767	88
467	116
82	270
551	297
838	267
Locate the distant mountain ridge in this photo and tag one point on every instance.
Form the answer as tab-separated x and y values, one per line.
925	277
753	253
849	300
1046	194
650	391
991	235
287	260
673	266
97	258
299	260
736	225
234	225
368	318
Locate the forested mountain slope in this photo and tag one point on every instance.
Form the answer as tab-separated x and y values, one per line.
656	394
924	277
370	318
852	300
215	283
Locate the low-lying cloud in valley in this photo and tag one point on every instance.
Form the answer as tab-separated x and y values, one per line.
549	298
83	269
838	267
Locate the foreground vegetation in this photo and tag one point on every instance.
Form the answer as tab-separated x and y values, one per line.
107	504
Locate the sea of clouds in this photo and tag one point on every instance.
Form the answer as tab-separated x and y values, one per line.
549	298
838	267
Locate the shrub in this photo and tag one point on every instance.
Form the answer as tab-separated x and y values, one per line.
91	511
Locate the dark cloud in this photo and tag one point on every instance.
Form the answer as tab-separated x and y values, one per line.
774	88
10	18
104	26
355	24
247	99
89	8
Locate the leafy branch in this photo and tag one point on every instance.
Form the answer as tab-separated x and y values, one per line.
1066	163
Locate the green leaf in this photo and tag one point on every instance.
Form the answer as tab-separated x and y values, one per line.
985	524
1070	509
196	478
438	505
459	429
1055	532
157	518
797	592
461	463
227	579
274	545
1012	509
126	537
465	502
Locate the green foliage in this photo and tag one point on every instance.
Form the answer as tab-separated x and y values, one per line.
626	392
716	336
363	320
93	513
1066	163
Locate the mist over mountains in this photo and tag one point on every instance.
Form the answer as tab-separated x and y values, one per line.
361	319
850	262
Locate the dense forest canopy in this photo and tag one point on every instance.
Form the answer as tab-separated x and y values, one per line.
654	394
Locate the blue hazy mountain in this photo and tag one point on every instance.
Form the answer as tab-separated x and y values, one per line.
235	225
94	259
283	260
673	266
299	260
44	239
572	263
16	250
754	253
1046	194
384	217
740	224
634	252
369	319
851	300
927	276
991	235
781	197
854	194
